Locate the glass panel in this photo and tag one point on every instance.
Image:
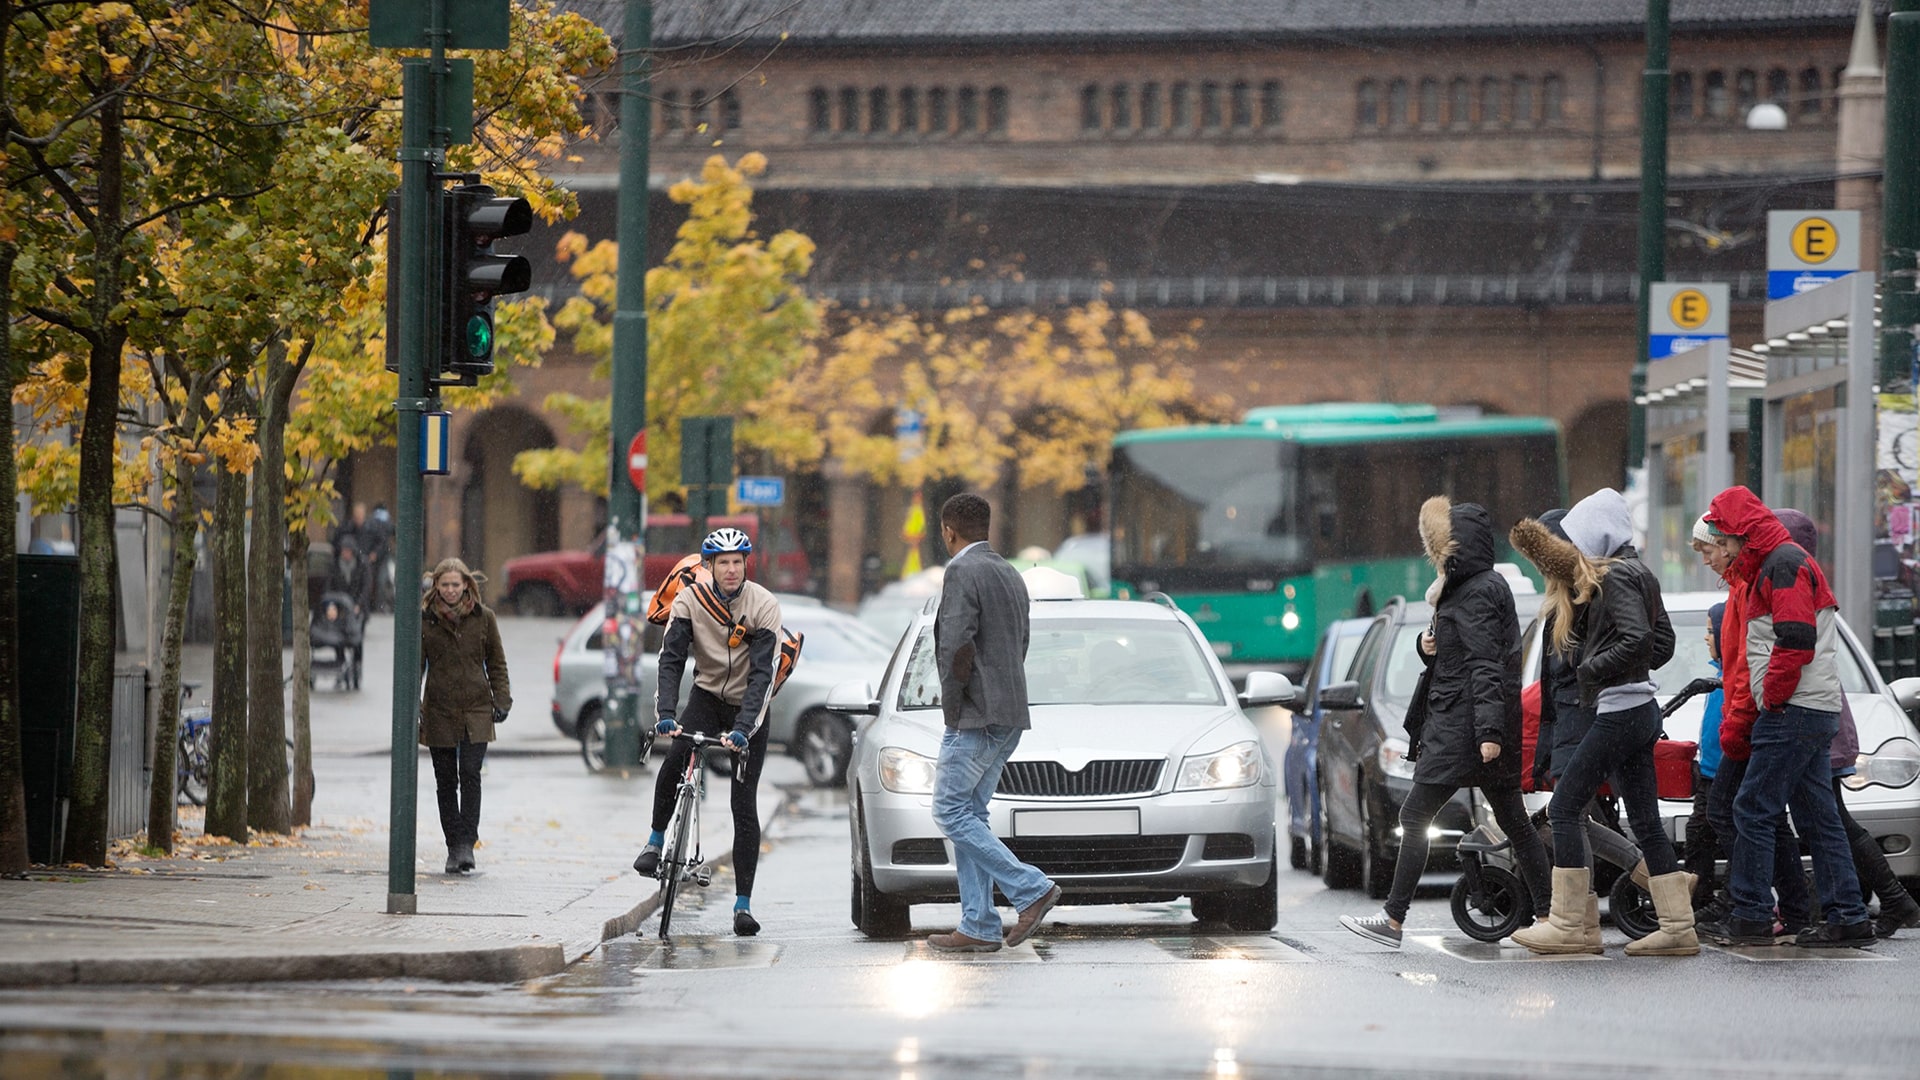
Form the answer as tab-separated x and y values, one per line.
1270	104
849	109
1208	504
909	110
1809	457
1460	94
1180	108
1210	111
967	108
1680	96
1150	106
1429	102
1091	662
877	101
1682	463
1397	103
1241	103
997	109
1692	659
1367	105
1120	107
1089	108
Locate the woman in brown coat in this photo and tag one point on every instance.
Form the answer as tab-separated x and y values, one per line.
466	695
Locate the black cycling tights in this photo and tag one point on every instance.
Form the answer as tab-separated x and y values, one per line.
708	715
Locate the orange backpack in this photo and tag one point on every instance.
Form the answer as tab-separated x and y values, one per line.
692	571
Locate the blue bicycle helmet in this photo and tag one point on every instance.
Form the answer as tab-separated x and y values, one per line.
726	541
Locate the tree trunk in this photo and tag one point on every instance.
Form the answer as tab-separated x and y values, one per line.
266	567
302	808
87	815
13	791
227	786
162	797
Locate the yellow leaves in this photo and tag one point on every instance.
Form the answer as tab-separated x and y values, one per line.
231	440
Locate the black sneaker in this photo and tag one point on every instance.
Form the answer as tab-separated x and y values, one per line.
1837	936
1737	931
1374	928
648	864
744	924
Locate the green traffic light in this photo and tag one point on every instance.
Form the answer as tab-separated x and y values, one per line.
479	336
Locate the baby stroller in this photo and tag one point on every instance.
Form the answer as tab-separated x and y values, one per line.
338	625
1489	900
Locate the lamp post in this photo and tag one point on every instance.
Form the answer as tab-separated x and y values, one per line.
1653	218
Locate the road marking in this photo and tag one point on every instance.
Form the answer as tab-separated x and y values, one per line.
1488	952
1025	954
1250	947
1765	954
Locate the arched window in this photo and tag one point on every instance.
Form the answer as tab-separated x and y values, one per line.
909	110
1366	104
1150	106
1523	104
697	102
1120	107
1180	107
1210	110
1680	95
1272	105
1718	106
671	121
849	110
1490	106
1240	105
1397	103
1429	102
1780	88
1809	92
1746	90
997	110
1460	103
938	123
1089	108
966	108
729	110
878	112
1553	100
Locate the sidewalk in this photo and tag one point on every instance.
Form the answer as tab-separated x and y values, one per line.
555	881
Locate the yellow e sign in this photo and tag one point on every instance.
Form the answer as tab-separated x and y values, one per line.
1815	240
1689	309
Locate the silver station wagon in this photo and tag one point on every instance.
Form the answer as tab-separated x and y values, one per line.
1141	780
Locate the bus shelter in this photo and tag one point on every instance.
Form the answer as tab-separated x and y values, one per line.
1696	437
1818	430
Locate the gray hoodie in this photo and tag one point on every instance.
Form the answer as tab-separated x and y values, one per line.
1600	525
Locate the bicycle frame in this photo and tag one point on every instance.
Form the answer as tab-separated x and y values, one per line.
680	858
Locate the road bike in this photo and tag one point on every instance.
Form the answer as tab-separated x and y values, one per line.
680	858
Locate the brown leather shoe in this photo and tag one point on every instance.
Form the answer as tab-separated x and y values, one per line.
959	942
1029	920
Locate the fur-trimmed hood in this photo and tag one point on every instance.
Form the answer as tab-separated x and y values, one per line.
1555	558
1458	539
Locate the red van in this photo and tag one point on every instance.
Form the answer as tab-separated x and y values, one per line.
570	582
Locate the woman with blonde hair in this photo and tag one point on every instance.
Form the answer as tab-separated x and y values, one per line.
466	695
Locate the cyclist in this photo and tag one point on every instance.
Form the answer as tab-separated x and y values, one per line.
733	633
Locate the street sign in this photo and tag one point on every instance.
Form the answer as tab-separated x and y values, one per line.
1808	248
1682	316
760	490
637	461
471	24
433	443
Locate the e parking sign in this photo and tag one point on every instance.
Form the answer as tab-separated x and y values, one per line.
1682	316
1808	248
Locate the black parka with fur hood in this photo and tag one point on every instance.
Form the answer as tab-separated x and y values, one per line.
1474	690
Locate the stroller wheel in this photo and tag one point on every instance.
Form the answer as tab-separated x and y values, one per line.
1500	908
1631	908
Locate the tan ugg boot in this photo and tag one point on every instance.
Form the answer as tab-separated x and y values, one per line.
1673	902
1565	928
1592	925
1639	874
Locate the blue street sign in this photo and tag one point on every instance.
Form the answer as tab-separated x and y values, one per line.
760	490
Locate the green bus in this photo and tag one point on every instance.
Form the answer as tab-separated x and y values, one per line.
1268	530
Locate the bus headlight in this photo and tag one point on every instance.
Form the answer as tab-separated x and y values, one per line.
904	772
1393	759
1895	764
1236	766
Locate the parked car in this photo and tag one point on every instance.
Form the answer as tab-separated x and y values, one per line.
1882	794
1331	663
837	648
892	609
1361	767
1141	779
549	583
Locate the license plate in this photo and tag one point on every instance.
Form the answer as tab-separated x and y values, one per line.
1117	822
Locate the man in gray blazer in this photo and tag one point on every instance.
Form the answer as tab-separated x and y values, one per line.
980	644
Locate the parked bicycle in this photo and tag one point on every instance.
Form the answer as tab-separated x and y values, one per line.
680	857
193	751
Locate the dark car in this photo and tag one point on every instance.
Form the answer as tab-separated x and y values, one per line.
1362	769
552	583
1332	661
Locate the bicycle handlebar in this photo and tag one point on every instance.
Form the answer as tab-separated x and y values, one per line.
702	742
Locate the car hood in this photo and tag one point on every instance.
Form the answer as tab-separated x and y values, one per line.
822	677
1076	734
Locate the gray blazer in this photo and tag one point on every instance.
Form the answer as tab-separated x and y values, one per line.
980	641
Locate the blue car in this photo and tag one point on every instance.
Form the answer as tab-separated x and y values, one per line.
1331	663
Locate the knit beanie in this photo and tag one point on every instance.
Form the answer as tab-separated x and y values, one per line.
1702	532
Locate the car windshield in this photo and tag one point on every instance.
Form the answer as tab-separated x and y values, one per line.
1403	664
1692	659
835	639
1091	662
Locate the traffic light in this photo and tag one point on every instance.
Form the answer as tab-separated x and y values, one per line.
474	275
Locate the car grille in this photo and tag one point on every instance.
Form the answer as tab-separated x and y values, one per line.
1099	854
1050	779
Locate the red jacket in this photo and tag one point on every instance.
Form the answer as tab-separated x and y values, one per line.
1737	712
1788	608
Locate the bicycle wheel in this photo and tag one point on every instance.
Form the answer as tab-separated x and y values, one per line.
191	764
673	861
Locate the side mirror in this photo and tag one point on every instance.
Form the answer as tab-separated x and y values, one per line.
1907	692
853	698
1267	688
1341	695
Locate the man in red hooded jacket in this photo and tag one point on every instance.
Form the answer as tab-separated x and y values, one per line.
1791	623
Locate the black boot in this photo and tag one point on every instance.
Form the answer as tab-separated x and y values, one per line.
1898	910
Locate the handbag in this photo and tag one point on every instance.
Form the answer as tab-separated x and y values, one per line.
1673	767
1416	721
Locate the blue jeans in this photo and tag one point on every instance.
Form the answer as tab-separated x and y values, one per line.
963	780
1789	766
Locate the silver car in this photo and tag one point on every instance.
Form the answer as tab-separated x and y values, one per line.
1140	780
837	648
1882	793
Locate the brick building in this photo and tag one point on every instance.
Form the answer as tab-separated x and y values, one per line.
1423	200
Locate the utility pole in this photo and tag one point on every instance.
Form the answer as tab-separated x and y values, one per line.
1653	217
626	482
1900	195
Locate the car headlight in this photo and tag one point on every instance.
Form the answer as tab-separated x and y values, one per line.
904	772
1895	764
1393	759
1236	766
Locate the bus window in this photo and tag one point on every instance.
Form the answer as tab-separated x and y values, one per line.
1214	504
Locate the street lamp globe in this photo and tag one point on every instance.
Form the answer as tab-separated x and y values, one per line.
1766	116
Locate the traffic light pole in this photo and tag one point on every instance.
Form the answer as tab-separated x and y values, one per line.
418	204
1653	219
1900	194
626	502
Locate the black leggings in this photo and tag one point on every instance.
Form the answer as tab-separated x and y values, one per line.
1417	813
456	778
1619	746
708	715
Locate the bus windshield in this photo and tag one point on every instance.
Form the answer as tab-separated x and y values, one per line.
1227	505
